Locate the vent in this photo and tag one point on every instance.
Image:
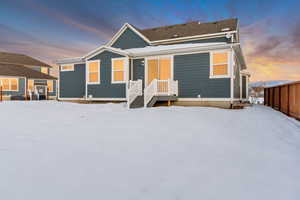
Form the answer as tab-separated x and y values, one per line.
225	29
175	35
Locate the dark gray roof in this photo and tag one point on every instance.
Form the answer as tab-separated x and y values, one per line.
22	71
14	58
189	29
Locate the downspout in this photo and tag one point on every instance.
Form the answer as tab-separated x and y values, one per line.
232	72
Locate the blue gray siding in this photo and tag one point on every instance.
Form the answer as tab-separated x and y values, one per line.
106	89
139	69
217	39
192	73
244	87
17	94
237	80
72	83
129	39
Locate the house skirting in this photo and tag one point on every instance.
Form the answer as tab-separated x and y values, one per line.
218	104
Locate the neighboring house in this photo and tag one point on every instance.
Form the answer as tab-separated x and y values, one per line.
185	64
23	77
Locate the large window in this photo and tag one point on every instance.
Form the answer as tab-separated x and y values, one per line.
45	70
67	68
9	84
31	85
159	68
219	64
118	70
94	72
50	85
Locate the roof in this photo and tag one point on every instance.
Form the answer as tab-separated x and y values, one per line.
175	48
189	29
22	71
14	58
270	84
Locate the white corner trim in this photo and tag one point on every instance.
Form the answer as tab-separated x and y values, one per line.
99	72
67	70
122	30
126	63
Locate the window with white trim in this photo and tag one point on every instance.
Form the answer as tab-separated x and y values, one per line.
9	84
45	70
65	68
50	85
93	72
118	70
31	85
219	66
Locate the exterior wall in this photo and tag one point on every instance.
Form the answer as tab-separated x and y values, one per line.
106	89
244	87
236	83
138	70
17	95
129	39
192	73
72	83
217	39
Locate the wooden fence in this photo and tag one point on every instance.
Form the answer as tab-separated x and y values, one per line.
285	98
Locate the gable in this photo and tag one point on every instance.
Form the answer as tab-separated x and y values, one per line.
129	39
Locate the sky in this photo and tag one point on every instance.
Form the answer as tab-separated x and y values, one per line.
55	29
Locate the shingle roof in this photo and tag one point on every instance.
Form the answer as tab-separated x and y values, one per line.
22	71
15	58
189	29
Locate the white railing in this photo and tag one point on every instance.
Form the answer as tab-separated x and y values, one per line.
160	88
135	90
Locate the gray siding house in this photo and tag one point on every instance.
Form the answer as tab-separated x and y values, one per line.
185	64
25	78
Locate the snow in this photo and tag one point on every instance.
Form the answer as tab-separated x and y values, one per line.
178	47
54	150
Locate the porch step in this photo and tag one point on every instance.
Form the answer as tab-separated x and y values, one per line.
138	102
161	98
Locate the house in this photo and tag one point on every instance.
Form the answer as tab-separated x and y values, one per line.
23	77
185	64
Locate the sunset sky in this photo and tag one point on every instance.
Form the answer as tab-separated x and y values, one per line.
54	29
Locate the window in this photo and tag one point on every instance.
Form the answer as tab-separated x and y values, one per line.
50	85
9	84
118	71
31	85
44	70
94	72
159	68
219	65
67	68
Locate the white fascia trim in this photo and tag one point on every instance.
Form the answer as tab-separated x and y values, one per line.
119	33
192	37
204	99
106	99
78	60
105	48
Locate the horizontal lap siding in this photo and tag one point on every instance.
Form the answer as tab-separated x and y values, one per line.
106	89
244	87
16	94
138	69
129	39
218	39
237	90
72	83
192	73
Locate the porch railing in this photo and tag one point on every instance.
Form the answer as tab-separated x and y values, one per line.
160	88
135	90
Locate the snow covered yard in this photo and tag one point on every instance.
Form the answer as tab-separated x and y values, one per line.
66	151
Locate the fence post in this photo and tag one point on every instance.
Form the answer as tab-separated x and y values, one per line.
273	98
279	106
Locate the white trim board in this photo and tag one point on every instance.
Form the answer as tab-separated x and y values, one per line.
204	99
99	72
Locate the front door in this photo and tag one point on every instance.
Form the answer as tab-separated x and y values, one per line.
158	68
42	91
